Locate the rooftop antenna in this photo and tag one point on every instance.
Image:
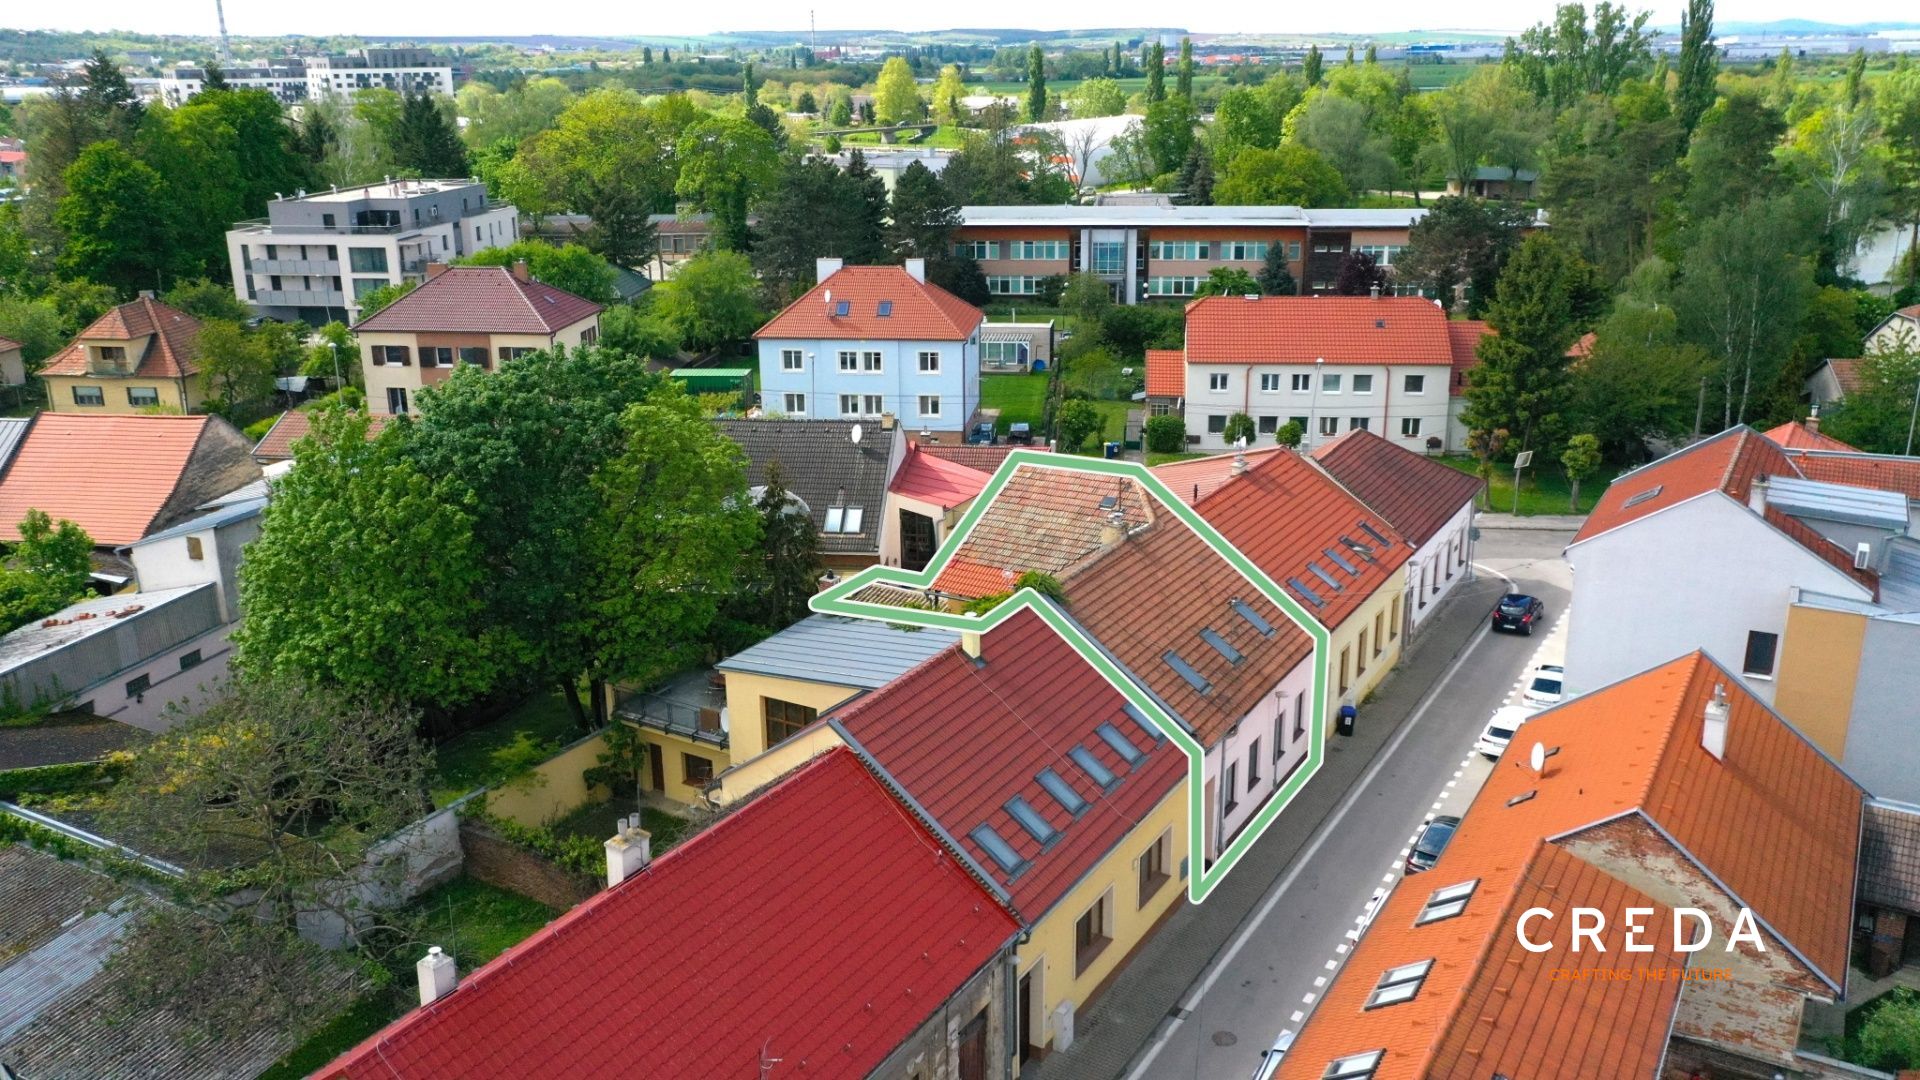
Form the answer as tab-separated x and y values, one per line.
220	12
813	35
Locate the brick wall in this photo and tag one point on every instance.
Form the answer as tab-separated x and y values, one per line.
509	866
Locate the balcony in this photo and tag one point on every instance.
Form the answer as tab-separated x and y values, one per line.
264	227
692	705
296	267
300	298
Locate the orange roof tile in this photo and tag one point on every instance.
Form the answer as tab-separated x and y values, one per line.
110	475
1301	329
930	479
293	425
987	459
481	300
919	311
7	344
1295	523
1847	374
1726	462
172	352
1808	537
1463	342
1043	519
1885	472
1196	478
1166	373
1796	435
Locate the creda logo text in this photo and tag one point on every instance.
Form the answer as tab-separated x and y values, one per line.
1589	923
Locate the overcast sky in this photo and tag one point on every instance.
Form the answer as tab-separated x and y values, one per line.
518	17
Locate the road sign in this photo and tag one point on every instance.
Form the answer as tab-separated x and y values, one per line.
1523	459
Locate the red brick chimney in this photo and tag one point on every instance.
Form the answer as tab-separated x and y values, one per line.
435	269
520	270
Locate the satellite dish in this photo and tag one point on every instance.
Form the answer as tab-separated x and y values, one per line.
856	434
1537	757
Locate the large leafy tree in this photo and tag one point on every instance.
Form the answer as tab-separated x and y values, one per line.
1610	176
996	167
563	266
425	140
711	301
948	89
1169	128
236	365
1543	300
118	220
1699	65
924	216
1036	83
1897	99
1462	241
895	97
814	209
1290	174
1276	277
1096	97
1338	128
1745	282
1878	415
609	156
1639	380
45	571
366	576
204	298
1562	61
781	575
1730	162
866	211
724	164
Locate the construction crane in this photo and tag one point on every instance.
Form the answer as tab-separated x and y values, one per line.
226	53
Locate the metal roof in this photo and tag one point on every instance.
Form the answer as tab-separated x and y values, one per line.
1132	216
1838	502
76	622
12	429
225	515
840	651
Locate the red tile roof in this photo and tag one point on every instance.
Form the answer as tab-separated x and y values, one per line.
740	942
1886	472
1726	462
1776	823
1808	537
987	459
962	740
1043	519
1416	494
1287	516
480	300
7	344
111	475
930	479
1846	373
1301	329
920	312
172	351
1463	343
1166	373
1196	478
1796	435
293	425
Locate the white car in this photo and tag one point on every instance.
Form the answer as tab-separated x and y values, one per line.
1506	720
1271	1057
1545	689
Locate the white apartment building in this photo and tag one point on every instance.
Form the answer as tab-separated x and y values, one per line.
286	80
292	80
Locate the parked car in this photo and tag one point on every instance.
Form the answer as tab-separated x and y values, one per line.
1506	720
1271	1057
1518	611
1020	434
982	435
1545	689
1431	842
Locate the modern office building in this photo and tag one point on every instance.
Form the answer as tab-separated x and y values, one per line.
294	79
1152	251
314	255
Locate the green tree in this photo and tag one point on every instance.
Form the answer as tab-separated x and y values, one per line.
1228	281
1744	285
1075	422
896	99
923	217
1086	297
235	365
1359	275
865	212
1036	83
425	141
1165	434
948	89
1567	59
997	166
1195	177
1539	308
628	331
335	353
724	163
514	114
1610	180
1337	128
711	301
1169	128
1289	434
36	325
1157	73
1239	430
50	567
378	299
1890	1038
1581	459
117	219
1730	161
1877	416
1096	97
1312	67
607	156
1183	84
206	299
1276	276
813	210
1699	65
783	574
1286	175
1897	100
571	267
1639	381
366	577
1462	241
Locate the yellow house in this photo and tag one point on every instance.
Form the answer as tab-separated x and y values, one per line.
477	315
141	356
1847	676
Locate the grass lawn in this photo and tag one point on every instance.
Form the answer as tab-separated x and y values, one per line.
946	136
1022	398
1542	490
526	735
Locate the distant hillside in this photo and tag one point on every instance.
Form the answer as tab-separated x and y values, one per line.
1798	28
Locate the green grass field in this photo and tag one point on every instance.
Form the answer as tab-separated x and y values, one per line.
1023	398
1542	491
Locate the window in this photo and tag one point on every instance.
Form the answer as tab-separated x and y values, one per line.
1030	821
190	660
142	396
870	362
997	849
785	719
1379	622
1415	384
1120	744
396	399
1410	427
195	550
1353	1066
1253	764
1299	715
1760	649
849	404
367	260
513	352
1230	783
1043	250
1217	381
1062	792
1356	423
1090	765
1253	618
89	395
791	360
929	363
1109	257
115	355
698	770
1153	866
1012	285
1179	249
978	249
1302	383
1093	932
1399	984
849	361
138	685
1393	623
794	404
1216	424
873	404
1329	425
1363	384
1004	353
326	222
1269	425
1362	653
1174	286
394	355
1446	903
1270	383
844	519
474	354
1299	422
1346	658
1293	250
883	309
1330	383
436	356
1280	731
1243	250
929	404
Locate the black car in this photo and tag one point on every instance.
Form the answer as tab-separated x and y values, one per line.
1430	843
1518	611
1020	434
981	435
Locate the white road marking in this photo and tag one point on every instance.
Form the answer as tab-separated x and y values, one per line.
1298	1016
1319	982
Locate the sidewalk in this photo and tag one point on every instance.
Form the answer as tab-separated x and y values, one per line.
1542	522
1148	990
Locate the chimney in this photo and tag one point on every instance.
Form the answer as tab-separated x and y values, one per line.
917	269
435	269
520	270
887	421
1713	734
826	268
438	976
1757	496
1239	455
146	294
970	643
1115	530
1813	419
1375	291
629	852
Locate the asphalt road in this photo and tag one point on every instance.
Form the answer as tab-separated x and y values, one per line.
1289	947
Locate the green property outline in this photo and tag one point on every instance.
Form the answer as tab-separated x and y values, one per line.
1200	883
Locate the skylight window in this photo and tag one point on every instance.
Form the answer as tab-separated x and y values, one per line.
1185	671
1309	595
1332	582
1358	548
1099	773
885	310
1253	618
1353	1066
1376	534
844	519
1112	737
1520	798
1053	784
1140	721
842	307
997	849
1340	561
1031	821
1399	984
1446	903
1642	496
1220	645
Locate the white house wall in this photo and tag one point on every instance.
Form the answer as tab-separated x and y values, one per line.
1274	717
1384	407
1440	564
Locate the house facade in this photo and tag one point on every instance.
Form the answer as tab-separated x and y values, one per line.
873	341
1898	331
13	364
127	657
142	356
482	316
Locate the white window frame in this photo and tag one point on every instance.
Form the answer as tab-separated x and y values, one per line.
1362	382
872	363
1302	383
924	399
1269	382
1330	382
794	404
1414	384
849	360
1217	381
929	362
1329	426
872	404
1409	427
793	360
850	399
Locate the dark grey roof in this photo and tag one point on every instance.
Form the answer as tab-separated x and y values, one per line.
821	464
840	651
1890	856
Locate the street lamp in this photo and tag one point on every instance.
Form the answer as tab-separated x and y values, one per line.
335	346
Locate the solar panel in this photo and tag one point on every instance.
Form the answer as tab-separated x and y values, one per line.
1359	548
1332	582
1375	533
1643	496
1089	764
1030	820
997	849
1185	671
1220	645
1300	587
1112	737
1062	792
1340	561
1140	721
1253	618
